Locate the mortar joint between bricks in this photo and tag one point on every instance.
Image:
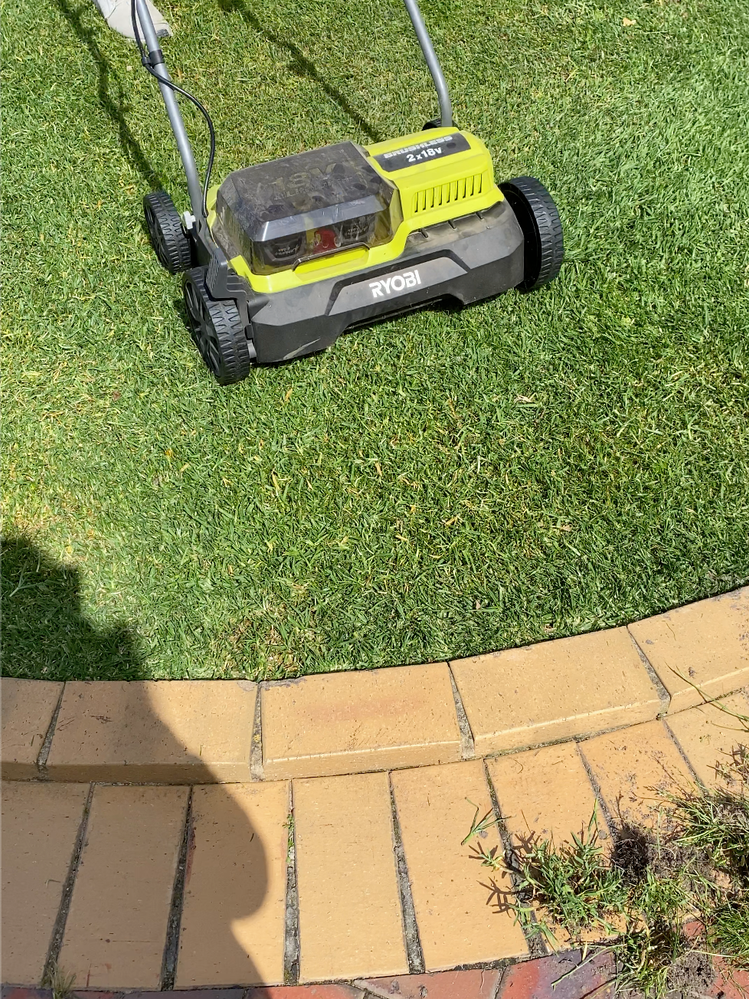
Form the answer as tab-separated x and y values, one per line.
467	742
256	741
292	943
663	694
58	931
174	922
414	953
499	987
672	735
536	945
601	801
41	760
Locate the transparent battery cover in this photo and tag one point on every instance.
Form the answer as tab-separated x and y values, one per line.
278	214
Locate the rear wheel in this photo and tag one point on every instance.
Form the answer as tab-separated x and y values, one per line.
539	219
168	237
217	329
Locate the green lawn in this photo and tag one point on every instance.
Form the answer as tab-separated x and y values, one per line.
436	486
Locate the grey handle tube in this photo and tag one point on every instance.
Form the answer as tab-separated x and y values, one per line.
446	109
172	109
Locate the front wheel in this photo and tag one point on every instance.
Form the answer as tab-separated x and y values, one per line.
217	330
539	220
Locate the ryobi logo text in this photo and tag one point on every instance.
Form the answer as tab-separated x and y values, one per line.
394	284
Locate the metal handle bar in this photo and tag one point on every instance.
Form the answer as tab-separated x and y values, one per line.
178	125
446	110
172	109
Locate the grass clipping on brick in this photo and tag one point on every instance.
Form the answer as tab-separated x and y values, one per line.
665	904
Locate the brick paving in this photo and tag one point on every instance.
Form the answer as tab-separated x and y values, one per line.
171	732
560	976
116	923
342	723
704	645
157	852
40	827
435	807
234	897
474	984
28	707
633	769
708	738
566	689
544	793
349	902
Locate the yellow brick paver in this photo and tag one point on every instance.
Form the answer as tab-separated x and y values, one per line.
634	768
40	826
116	927
554	691
342	723
455	925
705	644
350	922
154	731
711	738
544	793
547	794
27	710
235	888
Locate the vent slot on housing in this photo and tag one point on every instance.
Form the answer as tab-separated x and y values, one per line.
446	194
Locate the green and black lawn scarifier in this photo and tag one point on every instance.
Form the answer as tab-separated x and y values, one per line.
283	257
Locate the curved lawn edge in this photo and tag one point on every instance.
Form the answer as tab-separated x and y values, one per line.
226	731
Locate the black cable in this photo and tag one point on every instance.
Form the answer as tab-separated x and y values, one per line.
145	59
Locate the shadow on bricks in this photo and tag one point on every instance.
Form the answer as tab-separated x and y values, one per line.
45	634
141	885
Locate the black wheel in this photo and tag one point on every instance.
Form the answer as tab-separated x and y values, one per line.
168	237
539	219
217	329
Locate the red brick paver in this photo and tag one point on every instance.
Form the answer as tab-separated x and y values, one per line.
543	979
473	984
729	984
303	992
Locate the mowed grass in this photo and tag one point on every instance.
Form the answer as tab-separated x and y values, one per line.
436	486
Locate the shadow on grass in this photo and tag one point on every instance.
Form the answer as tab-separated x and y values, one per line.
45	636
113	107
300	65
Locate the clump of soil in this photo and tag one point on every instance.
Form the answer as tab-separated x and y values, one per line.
632	853
692	974
637	851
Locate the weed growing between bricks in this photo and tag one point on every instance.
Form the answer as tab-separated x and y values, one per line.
60	983
666	904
